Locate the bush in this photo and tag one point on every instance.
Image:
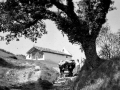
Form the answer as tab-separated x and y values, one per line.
45	84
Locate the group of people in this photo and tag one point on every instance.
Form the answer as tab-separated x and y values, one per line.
69	66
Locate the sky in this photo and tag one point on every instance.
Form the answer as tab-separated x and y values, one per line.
55	40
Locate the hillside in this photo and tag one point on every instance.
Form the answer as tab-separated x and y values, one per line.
10	57
20	56
15	71
6	54
106	77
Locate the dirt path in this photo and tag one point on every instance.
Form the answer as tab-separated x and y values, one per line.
64	83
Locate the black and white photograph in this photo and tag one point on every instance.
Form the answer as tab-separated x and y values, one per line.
59	45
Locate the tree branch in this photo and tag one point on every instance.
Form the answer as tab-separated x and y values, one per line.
68	9
63	23
102	10
59	5
70	5
66	24
27	25
47	14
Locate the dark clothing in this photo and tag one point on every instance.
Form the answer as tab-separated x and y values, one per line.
67	66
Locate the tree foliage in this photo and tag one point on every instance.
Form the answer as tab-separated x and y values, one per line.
109	43
81	21
23	17
15	20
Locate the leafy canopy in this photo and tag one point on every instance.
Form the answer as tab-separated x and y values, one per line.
109	43
80	20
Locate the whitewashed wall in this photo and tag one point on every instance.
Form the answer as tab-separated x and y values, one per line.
49	56
55	57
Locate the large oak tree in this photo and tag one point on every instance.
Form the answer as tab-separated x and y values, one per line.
82	24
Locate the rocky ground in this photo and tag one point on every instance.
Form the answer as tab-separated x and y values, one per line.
18	74
105	77
64	83
24	75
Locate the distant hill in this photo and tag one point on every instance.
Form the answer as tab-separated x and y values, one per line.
20	56
15	66
22	59
7	59
7	54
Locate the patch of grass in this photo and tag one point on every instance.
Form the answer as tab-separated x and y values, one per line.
4	53
9	61
21	57
4	63
45	84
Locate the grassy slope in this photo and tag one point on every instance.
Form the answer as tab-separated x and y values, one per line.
106	77
10	61
4	53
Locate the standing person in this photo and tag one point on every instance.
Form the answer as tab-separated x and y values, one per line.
77	67
71	66
61	67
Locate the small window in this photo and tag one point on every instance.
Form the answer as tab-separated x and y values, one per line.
40	55
33	56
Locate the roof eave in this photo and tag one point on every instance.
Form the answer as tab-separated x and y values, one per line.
57	53
30	50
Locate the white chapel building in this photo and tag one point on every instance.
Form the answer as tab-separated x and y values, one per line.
40	53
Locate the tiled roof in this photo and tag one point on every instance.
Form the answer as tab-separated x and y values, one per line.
49	50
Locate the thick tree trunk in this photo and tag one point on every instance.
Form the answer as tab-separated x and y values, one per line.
92	59
92	62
